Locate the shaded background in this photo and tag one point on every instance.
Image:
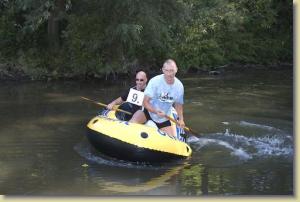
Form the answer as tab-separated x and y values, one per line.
51	39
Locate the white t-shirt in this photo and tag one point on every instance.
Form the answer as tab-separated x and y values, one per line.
163	95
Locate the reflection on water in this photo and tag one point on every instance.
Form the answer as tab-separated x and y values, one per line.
141	184
246	145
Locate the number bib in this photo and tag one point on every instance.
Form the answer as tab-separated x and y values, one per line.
135	97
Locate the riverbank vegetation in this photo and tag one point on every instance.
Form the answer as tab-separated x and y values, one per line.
42	39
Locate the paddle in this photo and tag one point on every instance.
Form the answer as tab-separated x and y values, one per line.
185	128
126	112
104	105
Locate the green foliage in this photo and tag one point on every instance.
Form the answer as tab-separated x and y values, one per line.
243	31
112	36
120	36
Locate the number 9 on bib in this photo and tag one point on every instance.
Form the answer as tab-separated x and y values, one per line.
135	97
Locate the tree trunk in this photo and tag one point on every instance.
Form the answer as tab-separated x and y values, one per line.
53	24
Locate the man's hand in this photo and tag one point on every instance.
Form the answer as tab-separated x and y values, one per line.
110	106
160	113
181	123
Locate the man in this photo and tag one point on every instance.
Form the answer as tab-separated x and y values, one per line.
161	93
141	81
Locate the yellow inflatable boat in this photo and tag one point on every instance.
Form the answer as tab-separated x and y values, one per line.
135	142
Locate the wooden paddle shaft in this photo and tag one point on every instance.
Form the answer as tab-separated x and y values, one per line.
104	105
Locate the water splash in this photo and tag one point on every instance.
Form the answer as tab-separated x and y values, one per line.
275	142
279	144
269	145
198	143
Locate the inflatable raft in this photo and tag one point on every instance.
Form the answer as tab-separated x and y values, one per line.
135	142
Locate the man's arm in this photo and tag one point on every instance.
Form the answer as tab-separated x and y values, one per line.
151	109
147	104
115	102
179	110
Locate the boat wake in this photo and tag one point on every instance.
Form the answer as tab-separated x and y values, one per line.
273	142
255	125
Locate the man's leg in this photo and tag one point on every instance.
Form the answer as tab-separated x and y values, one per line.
171	130
138	117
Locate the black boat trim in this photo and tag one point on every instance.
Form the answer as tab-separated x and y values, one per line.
122	150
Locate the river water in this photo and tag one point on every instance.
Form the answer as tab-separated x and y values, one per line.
245	146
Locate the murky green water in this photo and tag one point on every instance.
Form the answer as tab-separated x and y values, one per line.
246	145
